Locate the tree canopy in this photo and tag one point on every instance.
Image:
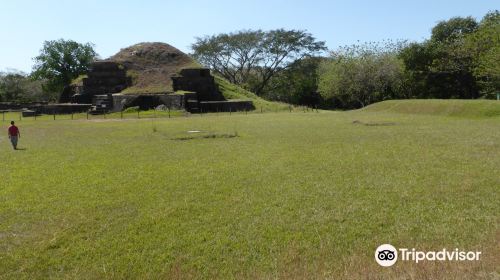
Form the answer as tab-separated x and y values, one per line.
61	61
298	84
358	75
16	86
460	60
251	58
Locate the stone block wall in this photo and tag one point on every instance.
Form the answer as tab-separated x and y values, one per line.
197	80
105	77
146	102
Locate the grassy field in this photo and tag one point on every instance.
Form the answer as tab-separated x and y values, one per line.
277	195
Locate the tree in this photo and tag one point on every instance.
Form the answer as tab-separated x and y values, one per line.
359	75
11	86
251	58
298	84
453	29
232	55
442	67
460	60
484	47
61	61
16	86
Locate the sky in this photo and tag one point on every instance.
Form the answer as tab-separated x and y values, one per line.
114	24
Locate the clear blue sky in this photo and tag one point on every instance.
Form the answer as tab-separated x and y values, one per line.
114	24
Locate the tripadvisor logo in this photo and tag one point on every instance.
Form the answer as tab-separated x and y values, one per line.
387	255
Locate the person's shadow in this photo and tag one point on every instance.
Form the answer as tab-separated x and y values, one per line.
21	149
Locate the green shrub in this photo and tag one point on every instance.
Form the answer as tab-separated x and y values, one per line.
131	109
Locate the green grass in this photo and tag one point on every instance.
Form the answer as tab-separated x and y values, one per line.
152	89
79	80
232	91
183	92
455	108
292	195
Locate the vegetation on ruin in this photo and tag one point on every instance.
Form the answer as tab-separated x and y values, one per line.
183	92
151	65
293	195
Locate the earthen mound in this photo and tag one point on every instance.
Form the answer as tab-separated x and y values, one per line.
150	66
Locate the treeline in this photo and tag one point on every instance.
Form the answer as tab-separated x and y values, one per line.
459	60
16	86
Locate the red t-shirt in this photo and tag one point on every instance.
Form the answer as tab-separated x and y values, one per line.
13	130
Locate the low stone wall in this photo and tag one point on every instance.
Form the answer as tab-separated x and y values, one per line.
146	102
174	101
197	80
46	108
226	106
4	106
64	108
122	101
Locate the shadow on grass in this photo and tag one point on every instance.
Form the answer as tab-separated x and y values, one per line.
373	123
207	136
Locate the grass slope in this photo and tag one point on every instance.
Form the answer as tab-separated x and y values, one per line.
455	108
294	195
232	91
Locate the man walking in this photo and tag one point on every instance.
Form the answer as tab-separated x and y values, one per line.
14	134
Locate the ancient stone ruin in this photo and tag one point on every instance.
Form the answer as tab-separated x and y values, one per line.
200	81
106	77
147	75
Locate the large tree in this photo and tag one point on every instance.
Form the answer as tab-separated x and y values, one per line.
484	47
460	60
251	58
298	84
358	75
61	61
453	29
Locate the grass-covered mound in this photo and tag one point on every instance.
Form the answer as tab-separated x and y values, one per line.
150	66
449	107
234	92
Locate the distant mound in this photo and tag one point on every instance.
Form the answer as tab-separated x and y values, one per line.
453	107
150	66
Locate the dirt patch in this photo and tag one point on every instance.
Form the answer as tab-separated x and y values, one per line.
206	136
373	123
